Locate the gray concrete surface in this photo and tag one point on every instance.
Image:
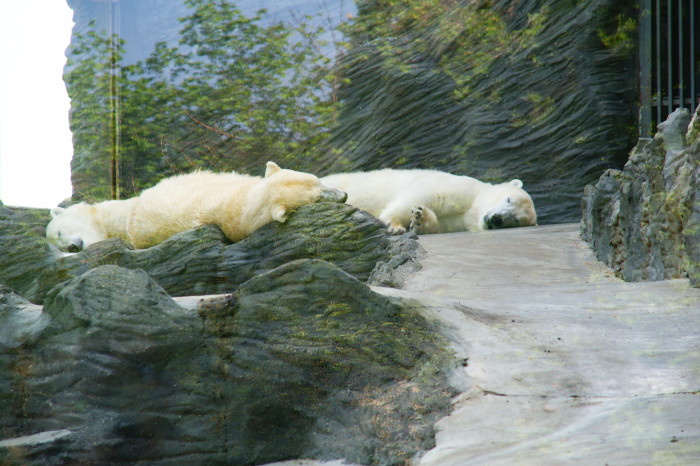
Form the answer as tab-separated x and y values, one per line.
559	361
562	362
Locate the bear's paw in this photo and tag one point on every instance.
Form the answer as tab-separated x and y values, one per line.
416	218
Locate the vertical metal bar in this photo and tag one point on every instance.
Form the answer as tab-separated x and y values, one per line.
669	59
681	103
114	117
693	99
659	92
645	69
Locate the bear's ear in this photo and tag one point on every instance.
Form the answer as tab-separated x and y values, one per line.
271	169
517	183
56	211
279	214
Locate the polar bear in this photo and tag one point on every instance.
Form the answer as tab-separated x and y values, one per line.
430	201
238	204
76	227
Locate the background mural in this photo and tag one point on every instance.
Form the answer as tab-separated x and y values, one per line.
542	91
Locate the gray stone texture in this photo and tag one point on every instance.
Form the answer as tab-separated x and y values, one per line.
301	361
644	221
202	261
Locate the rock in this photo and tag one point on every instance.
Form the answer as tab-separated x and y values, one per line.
29	221
20	320
644	221
21	324
201	261
111	359
26	253
404	255
301	361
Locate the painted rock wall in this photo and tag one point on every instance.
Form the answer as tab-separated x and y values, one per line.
644	221
540	90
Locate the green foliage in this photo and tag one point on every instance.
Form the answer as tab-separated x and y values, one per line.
464	37
624	36
231	94
91	84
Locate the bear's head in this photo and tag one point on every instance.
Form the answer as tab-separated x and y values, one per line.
73	229
507	205
289	189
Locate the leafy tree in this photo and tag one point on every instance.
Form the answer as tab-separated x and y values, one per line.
231	94
92	84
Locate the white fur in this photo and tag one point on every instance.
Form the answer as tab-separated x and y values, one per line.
430	201
238	204
80	225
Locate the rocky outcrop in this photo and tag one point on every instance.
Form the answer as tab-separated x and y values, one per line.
298	359
202	261
301	361
644	221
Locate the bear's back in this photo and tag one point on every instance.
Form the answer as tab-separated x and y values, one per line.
198	188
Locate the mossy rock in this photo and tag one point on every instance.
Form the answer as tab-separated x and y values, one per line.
301	361
643	221
202	261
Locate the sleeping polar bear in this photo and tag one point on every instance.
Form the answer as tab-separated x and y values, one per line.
430	201
238	204
74	228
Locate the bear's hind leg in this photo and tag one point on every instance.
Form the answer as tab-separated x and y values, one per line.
424	220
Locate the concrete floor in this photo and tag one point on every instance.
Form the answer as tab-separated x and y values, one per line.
563	362
560	362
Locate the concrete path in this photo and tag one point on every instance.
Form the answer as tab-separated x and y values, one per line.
562	362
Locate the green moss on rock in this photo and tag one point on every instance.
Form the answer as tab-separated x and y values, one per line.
303	361
202	261
643	221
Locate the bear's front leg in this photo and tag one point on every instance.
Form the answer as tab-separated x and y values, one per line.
395	222
423	221
395	228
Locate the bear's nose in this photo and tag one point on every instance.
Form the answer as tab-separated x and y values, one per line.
75	246
494	221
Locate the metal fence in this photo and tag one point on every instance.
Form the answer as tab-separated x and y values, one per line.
669	59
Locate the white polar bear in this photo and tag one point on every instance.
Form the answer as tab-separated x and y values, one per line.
238	204
80	225
430	201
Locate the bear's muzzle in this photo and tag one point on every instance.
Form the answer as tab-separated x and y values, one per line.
498	221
